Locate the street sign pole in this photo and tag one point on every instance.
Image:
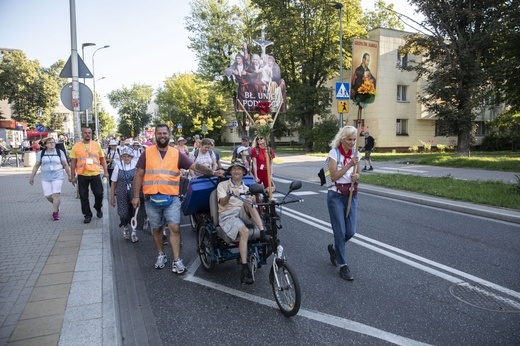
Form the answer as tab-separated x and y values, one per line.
74	65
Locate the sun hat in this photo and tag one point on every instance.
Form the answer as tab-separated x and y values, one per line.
172	140
127	151
136	143
181	139
112	142
241	149
237	163
127	141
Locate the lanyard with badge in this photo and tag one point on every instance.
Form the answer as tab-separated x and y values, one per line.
89	160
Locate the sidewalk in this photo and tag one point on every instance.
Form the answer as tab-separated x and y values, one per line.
56	282
56	277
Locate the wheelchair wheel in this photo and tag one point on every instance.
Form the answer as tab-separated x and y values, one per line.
205	248
286	289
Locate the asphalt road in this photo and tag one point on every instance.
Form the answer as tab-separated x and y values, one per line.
421	275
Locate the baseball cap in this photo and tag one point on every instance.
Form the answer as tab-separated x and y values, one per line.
237	163
112	142
180	139
241	149
127	151
245	138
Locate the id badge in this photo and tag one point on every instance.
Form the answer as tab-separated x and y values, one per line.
128	187
90	161
262	167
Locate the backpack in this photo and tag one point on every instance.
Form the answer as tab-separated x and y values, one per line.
196	152
324	173
58	151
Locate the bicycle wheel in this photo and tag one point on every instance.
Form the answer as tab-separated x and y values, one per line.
205	248
193	223
286	289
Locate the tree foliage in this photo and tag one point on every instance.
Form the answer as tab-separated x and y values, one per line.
455	60
132	106
189	100
383	17
28	87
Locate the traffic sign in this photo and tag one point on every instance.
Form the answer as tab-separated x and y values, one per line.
179	126
342	91
342	106
84	94
40	128
204	129
83	71
234	123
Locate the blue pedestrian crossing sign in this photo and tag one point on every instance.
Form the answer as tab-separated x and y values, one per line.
342	91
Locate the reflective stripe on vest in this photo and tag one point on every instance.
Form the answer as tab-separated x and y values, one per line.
81	158
162	175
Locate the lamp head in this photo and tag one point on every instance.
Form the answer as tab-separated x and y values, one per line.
88	44
336	5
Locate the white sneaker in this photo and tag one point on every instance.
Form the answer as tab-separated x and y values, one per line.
178	267
126	232
161	261
134	237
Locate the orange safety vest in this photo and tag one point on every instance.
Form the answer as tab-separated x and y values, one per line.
161	175
84	152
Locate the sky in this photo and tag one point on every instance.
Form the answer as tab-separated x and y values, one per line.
148	41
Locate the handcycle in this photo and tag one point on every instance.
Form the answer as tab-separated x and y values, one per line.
214	246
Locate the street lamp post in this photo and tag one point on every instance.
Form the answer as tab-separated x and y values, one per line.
94	87
339	6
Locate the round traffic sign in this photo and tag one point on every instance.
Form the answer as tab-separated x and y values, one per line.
85	96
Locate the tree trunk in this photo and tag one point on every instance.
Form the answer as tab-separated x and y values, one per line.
463	146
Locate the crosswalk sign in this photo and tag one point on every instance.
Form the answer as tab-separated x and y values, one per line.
342	91
343	106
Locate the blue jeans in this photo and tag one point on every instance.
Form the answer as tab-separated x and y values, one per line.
343	227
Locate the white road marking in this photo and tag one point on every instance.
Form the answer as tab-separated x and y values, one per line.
283	181
335	321
363	241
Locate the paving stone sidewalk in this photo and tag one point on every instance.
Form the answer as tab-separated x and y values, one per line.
56	282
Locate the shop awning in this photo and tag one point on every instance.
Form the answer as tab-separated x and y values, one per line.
35	133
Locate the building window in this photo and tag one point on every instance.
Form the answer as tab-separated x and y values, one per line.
482	129
401	127
402	60
401	93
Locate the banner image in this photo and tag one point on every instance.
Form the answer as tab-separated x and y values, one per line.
259	79
365	55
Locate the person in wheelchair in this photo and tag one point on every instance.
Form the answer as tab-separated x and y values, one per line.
234	214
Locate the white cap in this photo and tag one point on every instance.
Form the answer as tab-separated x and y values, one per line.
241	149
112	142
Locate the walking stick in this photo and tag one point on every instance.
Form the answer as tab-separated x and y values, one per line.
360	110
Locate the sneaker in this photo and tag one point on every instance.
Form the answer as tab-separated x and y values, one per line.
345	274
178	267
371	168
332	255
99	214
134	237
126	232
245	276
161	261
55	216
364	169
87	219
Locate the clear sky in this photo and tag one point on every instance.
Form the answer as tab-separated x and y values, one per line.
147	39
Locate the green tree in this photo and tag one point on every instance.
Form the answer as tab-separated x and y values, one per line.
132	106
27	87
192	102
107	124
455	61
383	17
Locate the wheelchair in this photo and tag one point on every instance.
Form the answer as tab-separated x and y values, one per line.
215	247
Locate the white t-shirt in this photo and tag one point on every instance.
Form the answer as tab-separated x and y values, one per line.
345	178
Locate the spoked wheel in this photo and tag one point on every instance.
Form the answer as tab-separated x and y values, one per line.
286	289
205	248
193	223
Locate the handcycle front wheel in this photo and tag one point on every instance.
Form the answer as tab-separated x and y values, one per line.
206	250
286	289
